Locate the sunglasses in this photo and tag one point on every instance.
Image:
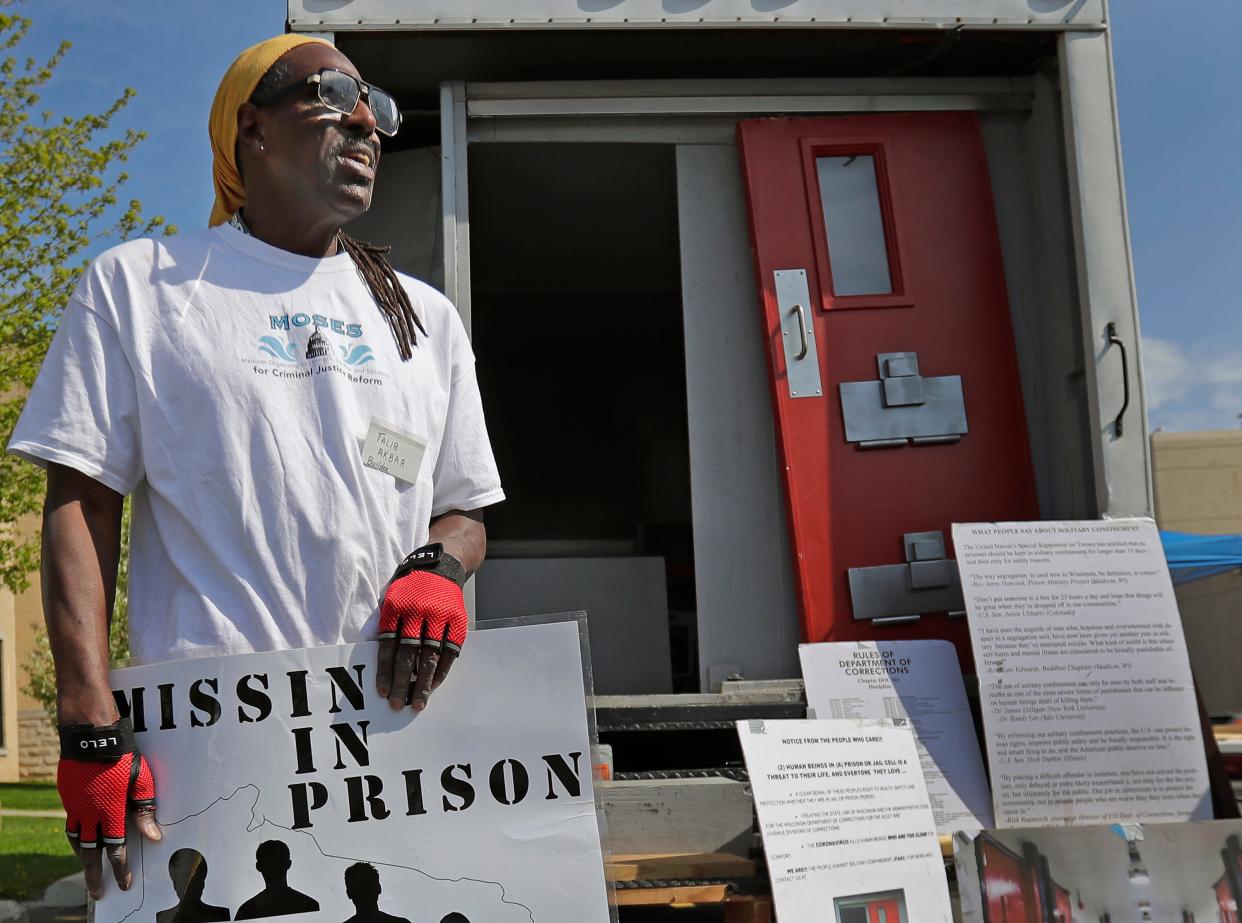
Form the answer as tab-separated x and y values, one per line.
340	92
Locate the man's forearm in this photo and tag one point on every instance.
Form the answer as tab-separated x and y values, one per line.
81	547
463	536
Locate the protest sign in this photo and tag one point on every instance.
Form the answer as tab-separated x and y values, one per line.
1088	703
286	786
846	821
920	681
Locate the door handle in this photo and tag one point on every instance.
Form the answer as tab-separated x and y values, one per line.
801	332
1114	340
796	346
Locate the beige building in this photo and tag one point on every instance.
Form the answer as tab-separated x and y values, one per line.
28	748
1198	485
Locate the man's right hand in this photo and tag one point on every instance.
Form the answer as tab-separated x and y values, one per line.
101	777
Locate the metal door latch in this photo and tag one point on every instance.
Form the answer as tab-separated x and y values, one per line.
927	582
903	406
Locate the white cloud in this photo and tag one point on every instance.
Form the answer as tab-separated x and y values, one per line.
1228	400
1192	388
1167	370
1227	370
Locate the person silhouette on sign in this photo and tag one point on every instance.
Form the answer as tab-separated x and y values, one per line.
188	870
454	917
362	886
277	898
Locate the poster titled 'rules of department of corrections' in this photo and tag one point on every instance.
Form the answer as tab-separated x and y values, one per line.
288	788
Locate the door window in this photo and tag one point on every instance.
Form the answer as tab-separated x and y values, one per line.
854	225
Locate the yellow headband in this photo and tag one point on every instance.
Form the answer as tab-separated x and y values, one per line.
236	88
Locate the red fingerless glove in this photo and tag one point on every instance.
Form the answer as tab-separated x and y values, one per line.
424	603
101	773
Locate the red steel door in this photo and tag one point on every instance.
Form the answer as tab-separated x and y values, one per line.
883	912
1005	886
898	403
1065	906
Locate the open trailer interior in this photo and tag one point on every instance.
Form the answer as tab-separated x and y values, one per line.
658	231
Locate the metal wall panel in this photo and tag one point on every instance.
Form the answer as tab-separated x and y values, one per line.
626	605
344	15
1027	167
747	610
1105	278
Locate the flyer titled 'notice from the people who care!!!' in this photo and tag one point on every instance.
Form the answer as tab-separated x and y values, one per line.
848	829
288	787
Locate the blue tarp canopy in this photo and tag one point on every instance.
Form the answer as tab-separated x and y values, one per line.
1193	557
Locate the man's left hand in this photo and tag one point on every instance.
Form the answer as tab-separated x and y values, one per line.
422	626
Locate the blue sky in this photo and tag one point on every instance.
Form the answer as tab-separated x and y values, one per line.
1179	84
1179	79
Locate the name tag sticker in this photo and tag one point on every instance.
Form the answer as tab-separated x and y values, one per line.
391	451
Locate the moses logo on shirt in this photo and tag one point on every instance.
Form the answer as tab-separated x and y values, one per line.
302	319
317	348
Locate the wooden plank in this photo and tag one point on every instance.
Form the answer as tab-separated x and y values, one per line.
748	910
678	865
666	816
695	894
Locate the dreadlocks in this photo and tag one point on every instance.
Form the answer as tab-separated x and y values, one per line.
373	266
370	260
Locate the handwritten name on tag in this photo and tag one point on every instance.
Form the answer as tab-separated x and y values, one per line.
393	452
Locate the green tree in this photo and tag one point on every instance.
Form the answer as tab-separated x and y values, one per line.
60	179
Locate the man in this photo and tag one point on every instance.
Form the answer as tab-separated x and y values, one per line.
362	886
277	898
291	419
188	870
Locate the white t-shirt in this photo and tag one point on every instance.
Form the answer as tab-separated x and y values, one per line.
229	386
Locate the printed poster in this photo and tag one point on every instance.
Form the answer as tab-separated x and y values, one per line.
920	681
847	828
1088	702
287	788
